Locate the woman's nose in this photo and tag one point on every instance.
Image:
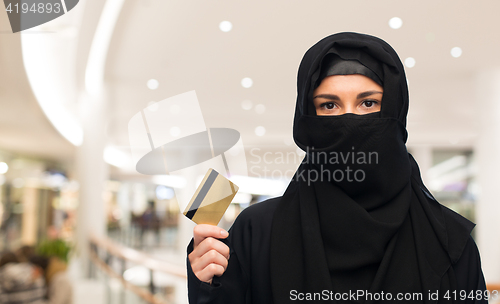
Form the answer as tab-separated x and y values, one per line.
349	109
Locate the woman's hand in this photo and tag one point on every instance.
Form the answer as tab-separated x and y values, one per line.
209	256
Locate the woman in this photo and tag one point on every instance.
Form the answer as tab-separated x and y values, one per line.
356	224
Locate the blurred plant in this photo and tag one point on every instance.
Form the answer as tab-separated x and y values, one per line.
55	247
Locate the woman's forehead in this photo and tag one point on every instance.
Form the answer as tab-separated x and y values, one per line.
351	81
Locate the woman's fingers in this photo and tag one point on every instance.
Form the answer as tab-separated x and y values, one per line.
210	256
203	231
207	274
208	263
211	244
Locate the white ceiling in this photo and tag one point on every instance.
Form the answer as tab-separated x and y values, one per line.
179	44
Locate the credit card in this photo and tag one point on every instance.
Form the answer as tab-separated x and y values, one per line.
211	199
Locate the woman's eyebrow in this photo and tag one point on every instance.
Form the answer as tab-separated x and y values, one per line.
327	96
335	97
367	93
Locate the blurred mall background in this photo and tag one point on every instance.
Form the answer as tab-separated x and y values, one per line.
69	87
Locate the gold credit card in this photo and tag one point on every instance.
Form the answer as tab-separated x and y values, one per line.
211	199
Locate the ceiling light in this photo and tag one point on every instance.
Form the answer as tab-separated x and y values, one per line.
410	62
242	198
225	26
395	23
447	166
456	52
172	181
116	157
164	192
41	56
94	71
260	131
247	82
3	168
153	84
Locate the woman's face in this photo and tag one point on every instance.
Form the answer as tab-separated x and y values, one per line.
340	94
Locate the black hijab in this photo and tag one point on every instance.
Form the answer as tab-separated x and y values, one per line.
356	215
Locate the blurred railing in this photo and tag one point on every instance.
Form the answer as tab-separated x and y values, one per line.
105	254
137	237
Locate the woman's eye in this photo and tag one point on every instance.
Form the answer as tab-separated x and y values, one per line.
369	103
328	105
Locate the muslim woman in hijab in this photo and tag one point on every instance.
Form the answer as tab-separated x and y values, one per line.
356	223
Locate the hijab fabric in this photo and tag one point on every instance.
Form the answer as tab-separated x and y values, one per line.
356	216
334	65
